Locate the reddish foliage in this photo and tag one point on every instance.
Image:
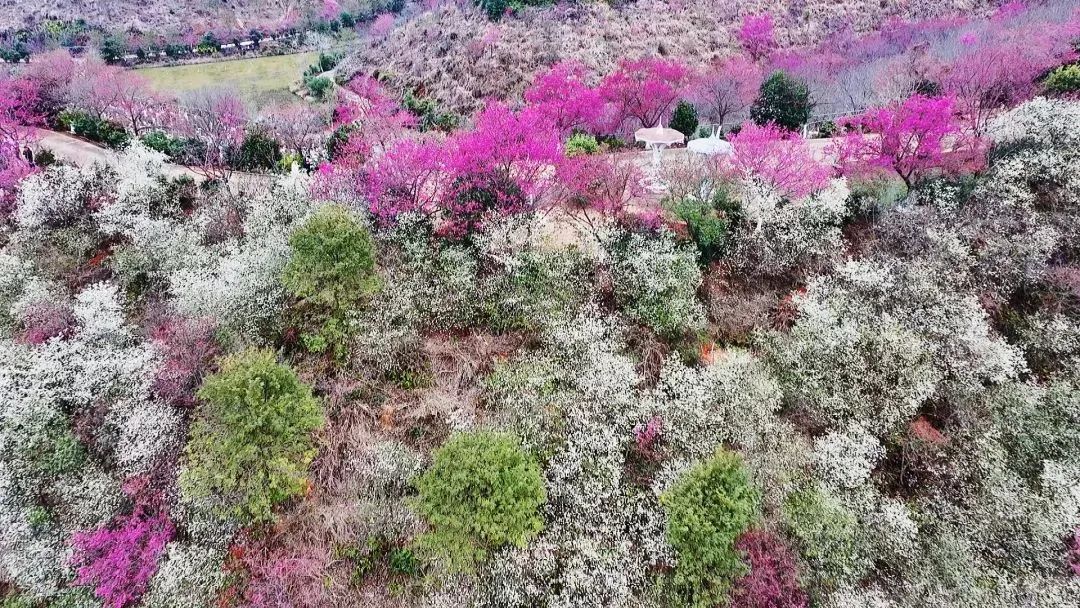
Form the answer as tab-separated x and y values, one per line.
1074	553
274	577
119	560
913	137
924	430
45	320
779	158
647	438
773	580
189	349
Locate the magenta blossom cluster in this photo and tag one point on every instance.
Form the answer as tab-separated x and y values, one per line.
757	35
778	157
911	138
119	560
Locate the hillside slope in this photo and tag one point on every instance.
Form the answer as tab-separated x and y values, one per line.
460	58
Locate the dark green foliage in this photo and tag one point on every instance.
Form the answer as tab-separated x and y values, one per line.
581	144
494	9
710	223
782	100
251	441
172	147
335	146
708	508
258	152
95	129
331	270
685	119
347	20
828	538
481	493
319	86
113	47
1064	80
927	88
430	115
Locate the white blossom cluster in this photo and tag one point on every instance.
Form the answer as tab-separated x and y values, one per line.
656	279
778	235
101	365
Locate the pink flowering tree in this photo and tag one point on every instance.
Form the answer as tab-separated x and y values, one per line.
505	165
643	91
17	116
597	188
779	158
773	579
726	87
1001	68
757	35
911	138
382	25
563	97
407	178
366	107
136	105
118	561
217	119
300	127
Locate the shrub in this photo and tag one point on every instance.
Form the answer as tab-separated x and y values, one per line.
709	223
782	100
160	141
828	539
481	493
707	510
581	144
494	9
773	580
251	442
100	130
331	269
258	152
685	119
319	86
1064	81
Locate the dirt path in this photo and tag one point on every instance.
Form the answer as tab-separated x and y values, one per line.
81	152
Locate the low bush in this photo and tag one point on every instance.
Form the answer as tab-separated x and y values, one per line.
481	493
251	441
581	144
1064	81
97	130
331	269
707	510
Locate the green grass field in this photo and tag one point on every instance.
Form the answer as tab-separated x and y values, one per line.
261	81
